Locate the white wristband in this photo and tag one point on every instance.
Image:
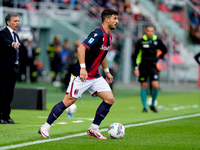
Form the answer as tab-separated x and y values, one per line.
82	65
136	67
106	70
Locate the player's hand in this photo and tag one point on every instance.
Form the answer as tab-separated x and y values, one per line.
137	72
83	75
16	44
109	77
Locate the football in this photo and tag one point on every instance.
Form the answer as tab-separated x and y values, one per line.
116	131
71	110
149	101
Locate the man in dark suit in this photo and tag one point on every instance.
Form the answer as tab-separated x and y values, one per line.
9	64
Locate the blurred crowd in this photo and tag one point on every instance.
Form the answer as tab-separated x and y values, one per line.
176	8
35	4
130	11
62	58
194	18
30	65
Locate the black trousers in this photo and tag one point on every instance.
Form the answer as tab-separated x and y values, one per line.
7	85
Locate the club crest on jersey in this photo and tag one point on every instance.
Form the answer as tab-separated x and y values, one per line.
91	40
155	42
76	91
95	34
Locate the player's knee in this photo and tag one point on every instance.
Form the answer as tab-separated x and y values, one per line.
68	101
113	100
155	86
110	100
72	100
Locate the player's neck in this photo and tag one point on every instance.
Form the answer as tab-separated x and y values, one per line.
106	28
149	37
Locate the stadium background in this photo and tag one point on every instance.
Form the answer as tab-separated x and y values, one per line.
174	23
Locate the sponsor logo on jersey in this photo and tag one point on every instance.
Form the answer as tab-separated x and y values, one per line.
146	45
103	47
95	34
91	40
155	42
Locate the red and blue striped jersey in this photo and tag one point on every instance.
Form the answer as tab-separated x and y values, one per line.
97	45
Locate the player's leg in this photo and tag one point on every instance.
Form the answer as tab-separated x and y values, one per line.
154	92
56	111
143	83
101	113
104	107
143	95
155	86
102	89
70	97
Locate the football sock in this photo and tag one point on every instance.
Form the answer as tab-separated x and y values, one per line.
95	126
154	94
143	94
46	125
101	113
56	112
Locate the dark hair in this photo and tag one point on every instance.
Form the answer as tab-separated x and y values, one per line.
107	13
149	25
9	16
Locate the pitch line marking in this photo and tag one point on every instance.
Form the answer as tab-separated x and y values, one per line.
82	134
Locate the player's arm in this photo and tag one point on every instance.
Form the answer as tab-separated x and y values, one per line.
81	58
197	58
163	48
109	77
135	55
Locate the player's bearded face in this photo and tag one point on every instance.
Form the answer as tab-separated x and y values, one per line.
113	21
150	32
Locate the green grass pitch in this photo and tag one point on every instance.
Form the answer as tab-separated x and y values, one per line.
174	134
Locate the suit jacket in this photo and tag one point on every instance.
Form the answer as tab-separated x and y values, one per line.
7	52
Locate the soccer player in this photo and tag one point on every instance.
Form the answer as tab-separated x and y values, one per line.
145	59
85	75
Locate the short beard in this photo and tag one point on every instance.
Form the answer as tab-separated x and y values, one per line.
112	28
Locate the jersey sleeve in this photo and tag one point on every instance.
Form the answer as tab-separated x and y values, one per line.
136	54
92	39
163	48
